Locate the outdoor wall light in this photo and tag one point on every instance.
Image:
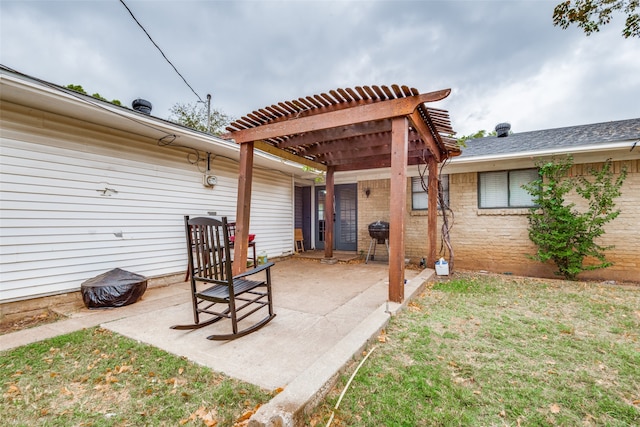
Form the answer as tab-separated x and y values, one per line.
367	192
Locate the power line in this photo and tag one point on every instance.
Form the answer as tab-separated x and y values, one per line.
158	47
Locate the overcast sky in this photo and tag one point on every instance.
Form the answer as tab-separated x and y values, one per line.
504	60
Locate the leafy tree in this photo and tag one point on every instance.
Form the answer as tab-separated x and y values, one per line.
462	141
590	15
562	233
195	117
79	88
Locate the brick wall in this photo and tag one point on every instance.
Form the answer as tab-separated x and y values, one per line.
497	240
376	207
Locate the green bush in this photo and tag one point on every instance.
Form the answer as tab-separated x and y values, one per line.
562	233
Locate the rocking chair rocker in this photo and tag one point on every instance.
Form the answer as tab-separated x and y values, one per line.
230	297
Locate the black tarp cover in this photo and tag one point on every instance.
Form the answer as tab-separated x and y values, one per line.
115	288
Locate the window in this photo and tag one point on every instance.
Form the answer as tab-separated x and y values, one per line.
504	189
419	199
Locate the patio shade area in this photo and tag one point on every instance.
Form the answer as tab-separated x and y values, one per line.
346	130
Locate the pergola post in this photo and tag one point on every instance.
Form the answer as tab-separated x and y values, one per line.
398	206
243	208
432	209
328	213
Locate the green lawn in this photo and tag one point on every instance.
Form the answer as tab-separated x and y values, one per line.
482	350
95	377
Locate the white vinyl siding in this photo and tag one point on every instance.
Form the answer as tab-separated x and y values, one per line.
58	229
504	189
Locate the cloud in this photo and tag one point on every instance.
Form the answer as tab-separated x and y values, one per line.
504	59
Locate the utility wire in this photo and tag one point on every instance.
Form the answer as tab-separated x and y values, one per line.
158	47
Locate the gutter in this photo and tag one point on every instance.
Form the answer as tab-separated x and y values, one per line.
630	144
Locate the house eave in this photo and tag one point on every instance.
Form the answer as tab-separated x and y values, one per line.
621	150
38	95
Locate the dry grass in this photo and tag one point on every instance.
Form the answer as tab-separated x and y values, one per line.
499	350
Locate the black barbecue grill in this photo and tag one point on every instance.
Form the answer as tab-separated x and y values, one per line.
379	232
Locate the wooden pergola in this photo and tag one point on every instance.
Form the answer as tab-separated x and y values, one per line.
351	129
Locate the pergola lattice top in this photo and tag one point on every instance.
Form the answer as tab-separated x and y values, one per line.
350	129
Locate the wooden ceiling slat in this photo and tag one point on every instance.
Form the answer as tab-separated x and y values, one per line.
414	91
363	93
280	110
329	99
388	92
265	113
255	119
337	96
342	132
349	145
321	100
406	90
246	121
397	91
353	94
314	101
273	111
286	108
360	165
264	118
370	92
345	95
379	92
291	104
306	103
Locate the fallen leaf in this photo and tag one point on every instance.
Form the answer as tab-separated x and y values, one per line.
245	416
278	390
502	413
13	389
123	368
554	408
180	371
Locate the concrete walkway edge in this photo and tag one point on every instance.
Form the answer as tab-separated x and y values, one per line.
288	408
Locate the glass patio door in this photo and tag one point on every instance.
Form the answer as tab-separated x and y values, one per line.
345	231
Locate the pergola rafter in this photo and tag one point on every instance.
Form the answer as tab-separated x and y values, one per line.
344	130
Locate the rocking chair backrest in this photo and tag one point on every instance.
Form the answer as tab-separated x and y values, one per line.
208	250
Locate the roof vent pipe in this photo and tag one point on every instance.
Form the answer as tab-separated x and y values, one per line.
142	105
502	129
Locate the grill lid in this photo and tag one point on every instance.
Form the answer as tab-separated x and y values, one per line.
379	230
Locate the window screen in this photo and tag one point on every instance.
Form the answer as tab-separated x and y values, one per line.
419	198
504	189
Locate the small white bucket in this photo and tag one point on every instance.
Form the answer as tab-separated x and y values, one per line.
442	267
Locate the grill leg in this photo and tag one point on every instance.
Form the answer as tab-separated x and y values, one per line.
374	251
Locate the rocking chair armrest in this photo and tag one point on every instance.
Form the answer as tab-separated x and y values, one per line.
254	270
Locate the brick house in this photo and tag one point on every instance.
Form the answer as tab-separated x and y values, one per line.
490	230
